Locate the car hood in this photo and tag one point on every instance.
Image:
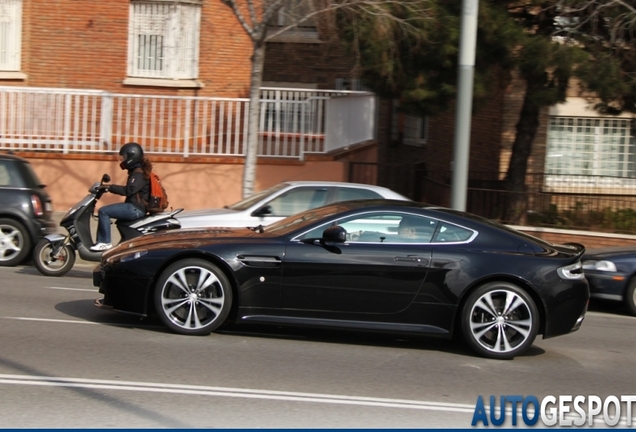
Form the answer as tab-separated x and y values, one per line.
179	238
202	217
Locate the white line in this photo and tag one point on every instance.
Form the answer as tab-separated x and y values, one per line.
233	392
72	289
48	320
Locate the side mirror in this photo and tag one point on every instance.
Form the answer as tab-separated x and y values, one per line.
105	178
263	211
335	234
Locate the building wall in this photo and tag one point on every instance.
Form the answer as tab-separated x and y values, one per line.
309	63
191	184
83	44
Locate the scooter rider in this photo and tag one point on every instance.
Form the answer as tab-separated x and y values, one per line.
136	191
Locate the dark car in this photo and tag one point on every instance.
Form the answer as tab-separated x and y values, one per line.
611	273
356	265
25	210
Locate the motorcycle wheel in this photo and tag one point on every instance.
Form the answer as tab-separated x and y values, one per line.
50	265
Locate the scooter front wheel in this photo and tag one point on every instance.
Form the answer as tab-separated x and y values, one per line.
50	264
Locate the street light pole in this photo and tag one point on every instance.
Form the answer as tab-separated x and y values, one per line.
466	72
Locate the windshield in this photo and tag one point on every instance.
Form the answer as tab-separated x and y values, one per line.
253	199
302	220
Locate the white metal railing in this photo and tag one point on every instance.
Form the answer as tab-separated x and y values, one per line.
292	121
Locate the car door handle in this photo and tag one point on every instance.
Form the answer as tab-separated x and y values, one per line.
413	259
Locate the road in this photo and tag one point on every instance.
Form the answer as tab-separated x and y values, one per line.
66	364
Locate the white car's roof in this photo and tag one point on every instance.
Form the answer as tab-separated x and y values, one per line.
242	212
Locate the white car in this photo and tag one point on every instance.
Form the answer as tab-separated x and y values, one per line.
282	200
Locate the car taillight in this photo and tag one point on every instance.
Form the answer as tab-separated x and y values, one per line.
37	205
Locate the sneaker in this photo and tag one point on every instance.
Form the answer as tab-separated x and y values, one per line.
101	247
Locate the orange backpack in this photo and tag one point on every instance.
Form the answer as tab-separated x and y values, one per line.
158	198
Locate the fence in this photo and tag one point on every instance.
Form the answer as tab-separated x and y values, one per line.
292	122
595	203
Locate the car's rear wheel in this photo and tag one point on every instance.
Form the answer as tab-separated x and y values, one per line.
630	296
193	297
500	320
52	260
15	243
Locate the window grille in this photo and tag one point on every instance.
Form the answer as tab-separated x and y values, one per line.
163	40
412	129
294	11
10	34
591	147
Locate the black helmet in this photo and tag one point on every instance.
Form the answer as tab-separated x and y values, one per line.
132	153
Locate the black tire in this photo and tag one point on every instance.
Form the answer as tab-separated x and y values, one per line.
494	332
630	297
193	297
50	265
15	243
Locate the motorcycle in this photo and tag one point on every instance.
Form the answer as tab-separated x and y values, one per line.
54	255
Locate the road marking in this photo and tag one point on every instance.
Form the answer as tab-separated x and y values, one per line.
233	392
49	320
72	289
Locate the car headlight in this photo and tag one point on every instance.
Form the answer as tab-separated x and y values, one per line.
572	271
125	257
602	265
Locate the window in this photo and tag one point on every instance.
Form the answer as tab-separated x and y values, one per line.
591	147
348	194
163	39
411	129
298	200
10	34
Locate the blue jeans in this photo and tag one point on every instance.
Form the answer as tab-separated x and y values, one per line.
120	211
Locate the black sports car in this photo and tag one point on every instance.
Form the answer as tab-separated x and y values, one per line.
368	265
611	273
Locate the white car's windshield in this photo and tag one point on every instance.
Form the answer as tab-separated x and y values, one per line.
253	199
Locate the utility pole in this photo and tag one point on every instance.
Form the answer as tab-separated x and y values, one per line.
466	72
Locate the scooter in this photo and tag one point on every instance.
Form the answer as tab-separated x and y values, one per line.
54	255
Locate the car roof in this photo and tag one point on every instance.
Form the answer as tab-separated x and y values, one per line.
7	156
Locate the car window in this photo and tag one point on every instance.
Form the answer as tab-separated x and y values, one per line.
452	233
253	199
382	227
298	200
348	194
9	175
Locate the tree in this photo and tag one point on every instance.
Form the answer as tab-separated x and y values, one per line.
255	15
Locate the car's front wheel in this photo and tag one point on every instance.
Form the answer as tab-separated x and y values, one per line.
500	320
15	243
193	297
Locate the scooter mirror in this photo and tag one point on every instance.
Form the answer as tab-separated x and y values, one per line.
105	178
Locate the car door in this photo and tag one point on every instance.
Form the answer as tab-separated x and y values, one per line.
373	272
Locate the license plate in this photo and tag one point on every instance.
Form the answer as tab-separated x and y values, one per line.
48	207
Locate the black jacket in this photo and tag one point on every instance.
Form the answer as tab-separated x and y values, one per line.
136	191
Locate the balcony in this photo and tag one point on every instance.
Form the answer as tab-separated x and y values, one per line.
292	122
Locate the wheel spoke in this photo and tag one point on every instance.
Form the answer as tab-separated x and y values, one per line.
485	328
192	321
171	305
521	326
487	306
205	280
213	304
179	280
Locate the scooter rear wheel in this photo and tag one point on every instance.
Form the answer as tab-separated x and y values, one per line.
50	265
